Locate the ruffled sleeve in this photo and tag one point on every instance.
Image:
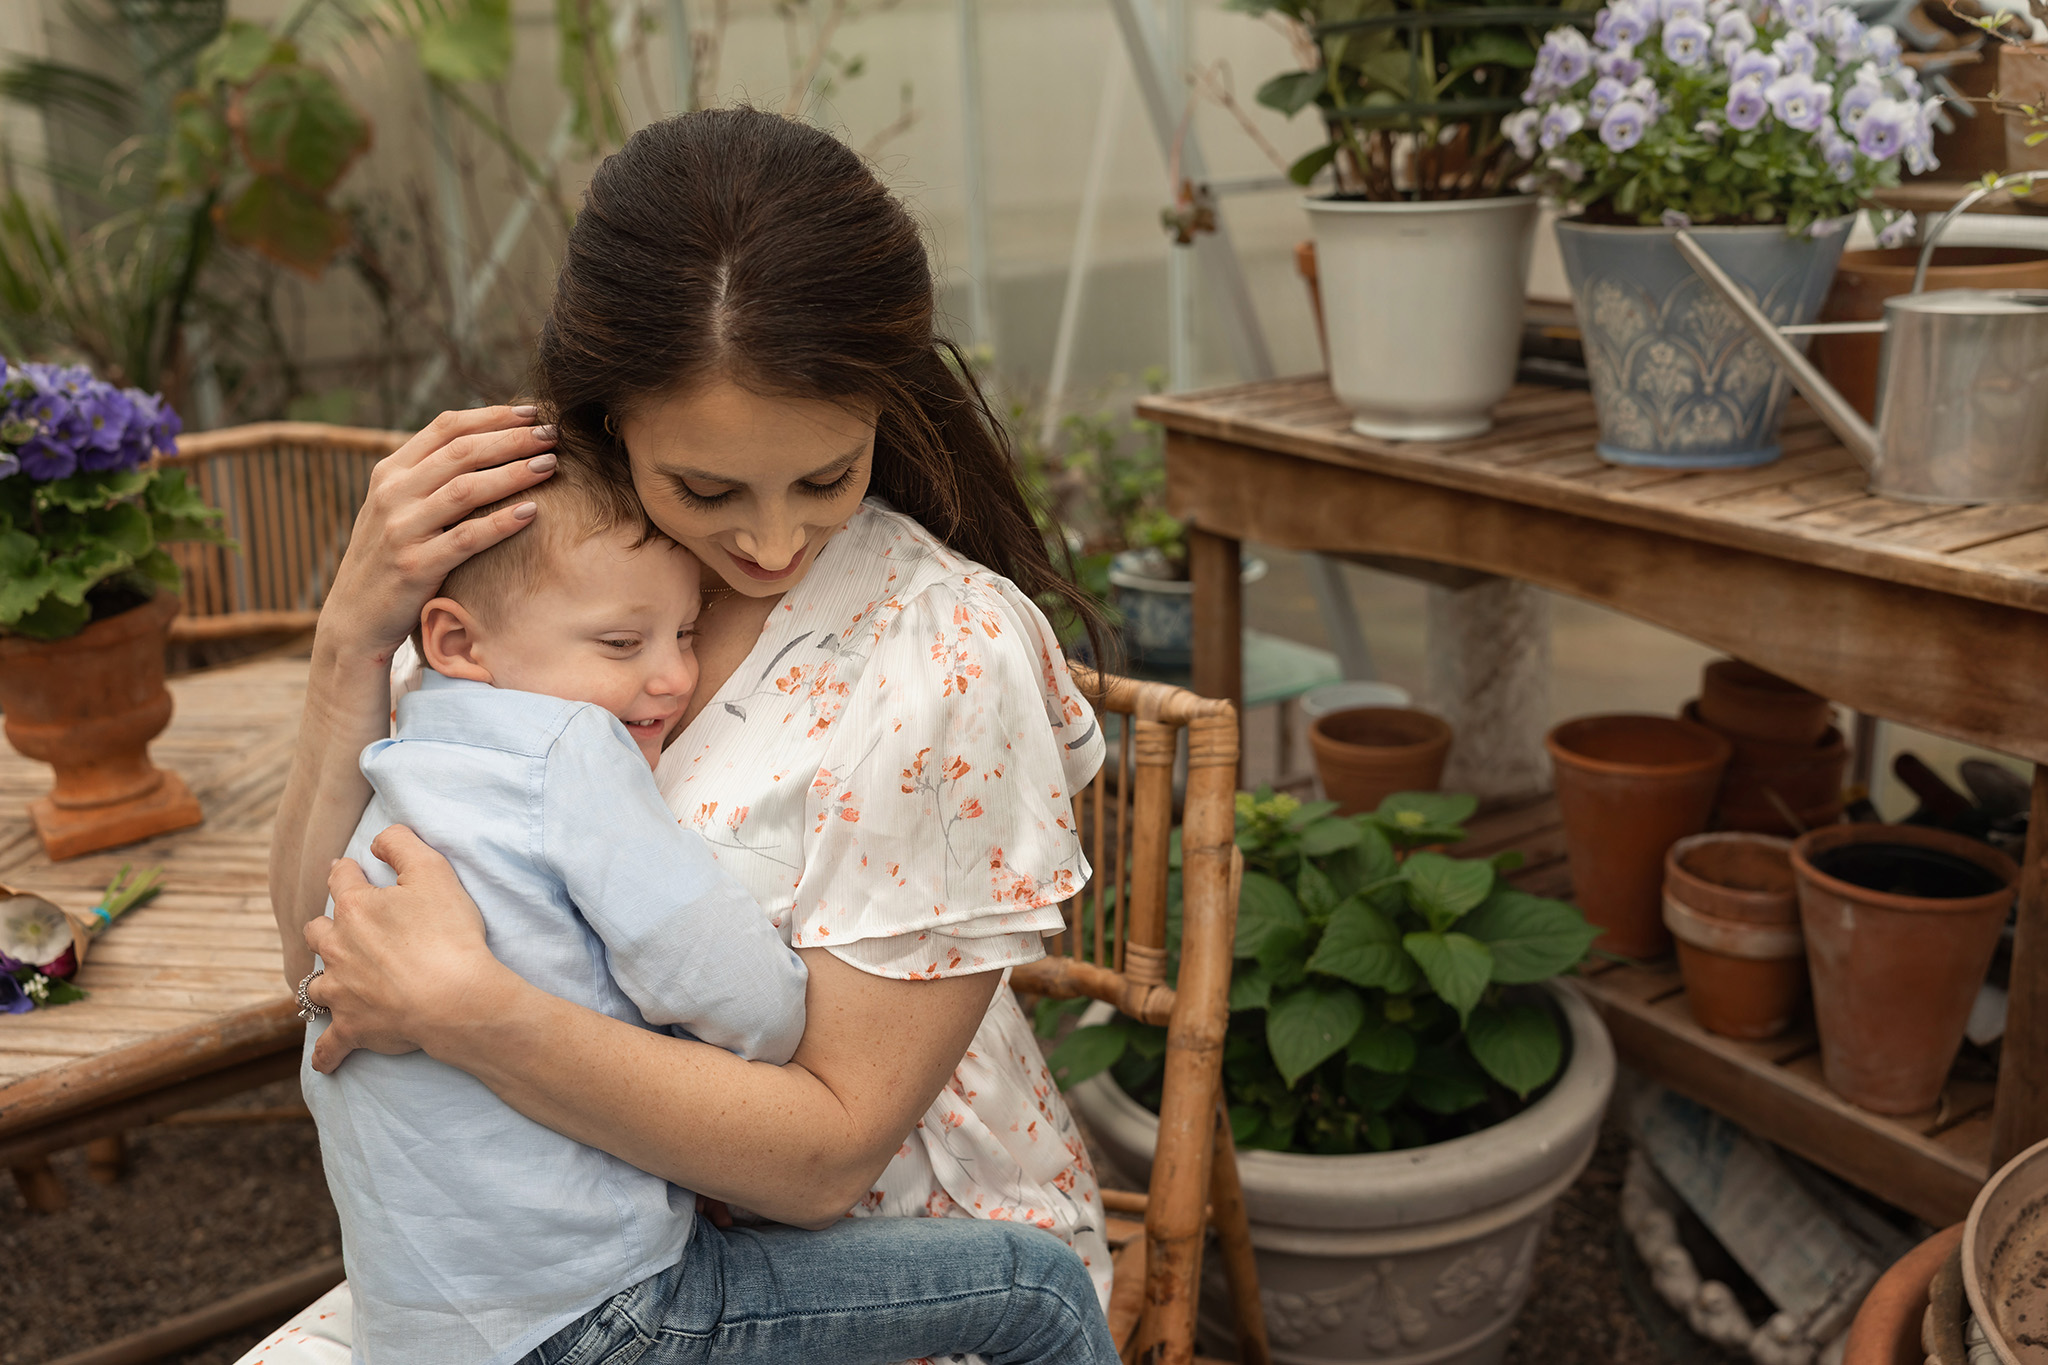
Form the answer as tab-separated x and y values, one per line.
940	835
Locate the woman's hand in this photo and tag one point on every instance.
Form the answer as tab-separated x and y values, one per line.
411	529
400	959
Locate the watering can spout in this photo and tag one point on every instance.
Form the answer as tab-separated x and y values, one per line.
1848	424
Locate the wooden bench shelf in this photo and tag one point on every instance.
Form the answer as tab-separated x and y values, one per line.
1933	616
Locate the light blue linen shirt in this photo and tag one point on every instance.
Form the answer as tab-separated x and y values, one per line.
471	1233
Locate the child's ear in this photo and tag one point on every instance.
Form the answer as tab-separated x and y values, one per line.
449	639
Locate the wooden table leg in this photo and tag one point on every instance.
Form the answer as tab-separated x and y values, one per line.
42	1189
106	1158
1219	615
2021	1117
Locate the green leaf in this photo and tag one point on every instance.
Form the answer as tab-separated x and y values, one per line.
1458	967
284	223
1047	1014
294	124
1086	1052
1425	817
1373	1090
1291	92
197	155
1383	1047
1361	946
472	43
1264	908
1532	939
1318	897
1446	1081
1517	1044
1251	988
1244	1121
53	619
1307	1027
1445	888
1304	170
237	54
92	492
178	512
1491	47
1325	837
1307	815
1504	863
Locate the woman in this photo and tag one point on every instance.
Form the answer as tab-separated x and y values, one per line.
881	746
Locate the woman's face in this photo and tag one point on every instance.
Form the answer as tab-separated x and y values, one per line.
754	486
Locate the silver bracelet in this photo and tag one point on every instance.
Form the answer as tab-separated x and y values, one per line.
309	1011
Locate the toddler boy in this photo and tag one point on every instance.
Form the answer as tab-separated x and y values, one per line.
559	661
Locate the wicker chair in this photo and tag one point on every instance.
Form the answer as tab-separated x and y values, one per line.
1115	951
290	492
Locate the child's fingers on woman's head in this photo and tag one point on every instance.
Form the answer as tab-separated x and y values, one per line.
461	423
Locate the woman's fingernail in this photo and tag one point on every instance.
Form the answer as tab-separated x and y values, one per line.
526	411
544	433
541	464
333	864
524	511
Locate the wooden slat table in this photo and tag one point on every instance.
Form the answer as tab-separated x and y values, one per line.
187	1000
1933	616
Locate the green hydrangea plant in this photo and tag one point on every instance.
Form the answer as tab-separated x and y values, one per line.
1384	991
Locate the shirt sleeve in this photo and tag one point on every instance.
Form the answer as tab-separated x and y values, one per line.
683	940
940	833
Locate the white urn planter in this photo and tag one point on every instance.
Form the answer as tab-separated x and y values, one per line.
1417	1257
1422	309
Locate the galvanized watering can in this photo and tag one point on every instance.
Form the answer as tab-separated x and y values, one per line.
1962	394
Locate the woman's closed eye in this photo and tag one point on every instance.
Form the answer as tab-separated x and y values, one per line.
701	501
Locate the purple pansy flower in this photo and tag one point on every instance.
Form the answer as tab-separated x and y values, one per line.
13	999
1846	32
1920	149
1623	126
1797	52
1605	92
1686	40
1804	15
1560	121
1734	26
1882	42
1886	126
1753	65
1867	90
1708	129
1621	64
1897	232
42	458
1673	218
1746	104
1623	24
1838	151
1571	56
1520	128
1568	168
1682	9
1799	101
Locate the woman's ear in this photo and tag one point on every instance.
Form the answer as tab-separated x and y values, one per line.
448	640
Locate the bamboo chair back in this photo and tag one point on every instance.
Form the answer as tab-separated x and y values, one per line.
289	492
1114	950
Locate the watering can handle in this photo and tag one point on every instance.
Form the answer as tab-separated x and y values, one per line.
1941	224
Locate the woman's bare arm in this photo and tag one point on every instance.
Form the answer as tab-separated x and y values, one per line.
800	1144
410	532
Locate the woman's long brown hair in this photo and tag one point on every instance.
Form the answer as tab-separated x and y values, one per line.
742	244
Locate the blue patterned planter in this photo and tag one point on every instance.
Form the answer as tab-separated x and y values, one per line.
1679	381
1159	613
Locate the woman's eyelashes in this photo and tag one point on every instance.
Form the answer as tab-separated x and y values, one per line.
704	501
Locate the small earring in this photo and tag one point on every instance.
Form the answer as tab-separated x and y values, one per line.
609	429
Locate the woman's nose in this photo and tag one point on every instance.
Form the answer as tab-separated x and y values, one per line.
774	544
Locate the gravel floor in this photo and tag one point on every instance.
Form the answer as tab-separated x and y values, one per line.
205	1212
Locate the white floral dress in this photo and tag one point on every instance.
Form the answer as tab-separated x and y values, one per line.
889	773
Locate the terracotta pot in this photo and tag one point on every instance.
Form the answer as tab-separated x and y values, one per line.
1629	787
1366	754
1896	969
1887	1327
1742	701
1865	279
1806	780
89	706
1730	901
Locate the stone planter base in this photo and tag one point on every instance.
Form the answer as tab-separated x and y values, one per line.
1419	1257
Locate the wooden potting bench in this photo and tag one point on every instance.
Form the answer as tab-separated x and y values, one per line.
186	998
1932	616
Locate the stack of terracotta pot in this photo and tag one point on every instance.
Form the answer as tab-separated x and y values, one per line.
1788	760
1732	903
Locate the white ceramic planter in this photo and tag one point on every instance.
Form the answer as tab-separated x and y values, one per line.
1419	1257
1422	308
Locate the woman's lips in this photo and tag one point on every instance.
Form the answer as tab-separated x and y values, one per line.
755	571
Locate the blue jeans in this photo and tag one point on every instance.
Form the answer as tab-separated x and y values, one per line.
874	1290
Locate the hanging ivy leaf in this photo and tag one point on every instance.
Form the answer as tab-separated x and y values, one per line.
295	125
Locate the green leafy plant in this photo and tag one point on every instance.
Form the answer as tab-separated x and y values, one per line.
1412	94
1384	992
1099	484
